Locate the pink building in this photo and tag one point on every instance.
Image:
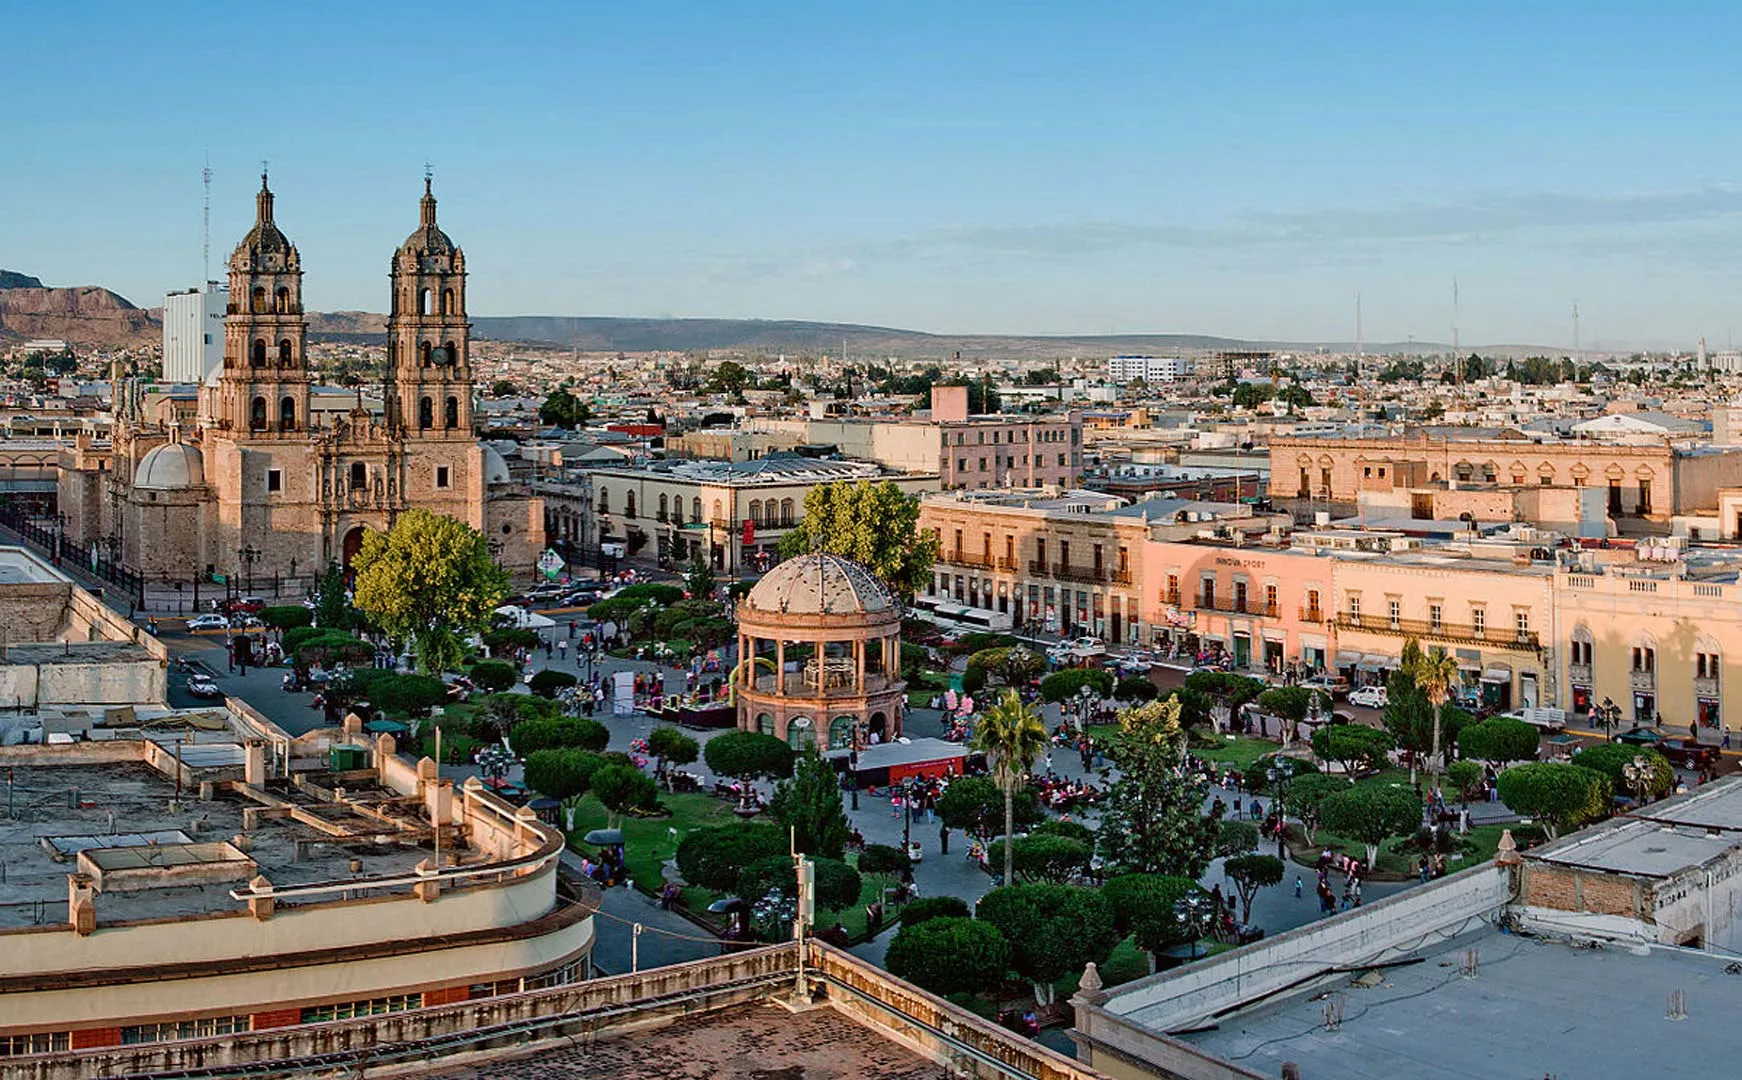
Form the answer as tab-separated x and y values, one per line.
1264	607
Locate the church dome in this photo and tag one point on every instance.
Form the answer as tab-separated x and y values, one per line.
819	585
428	238
495	468
171	467
265	238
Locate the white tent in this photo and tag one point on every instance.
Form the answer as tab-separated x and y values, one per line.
524	619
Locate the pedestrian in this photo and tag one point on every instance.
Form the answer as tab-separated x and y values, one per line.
1297	887
943	839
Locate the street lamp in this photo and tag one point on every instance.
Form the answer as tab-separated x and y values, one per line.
1637	773
1608	716
247	557
1084	696
1192	912
907	819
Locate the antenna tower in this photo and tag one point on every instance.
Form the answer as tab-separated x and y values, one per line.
1358	343
1457	350
1578	357
206	224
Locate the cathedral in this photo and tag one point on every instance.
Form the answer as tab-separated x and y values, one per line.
256	489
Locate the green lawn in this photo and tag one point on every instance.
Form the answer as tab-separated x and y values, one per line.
1238	752
648	843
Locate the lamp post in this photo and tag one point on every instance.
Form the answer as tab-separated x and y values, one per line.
1608	716
1191	912
60	535
1637	773
247	556
907	812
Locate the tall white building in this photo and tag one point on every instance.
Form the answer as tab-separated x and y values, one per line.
1124	369
193	333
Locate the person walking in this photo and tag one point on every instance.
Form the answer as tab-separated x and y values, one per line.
1298	887
943	839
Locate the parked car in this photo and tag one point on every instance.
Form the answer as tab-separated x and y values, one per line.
1328	683
1640	736
1688	753
1135	665
1372	697
208	622
202	687
1548	719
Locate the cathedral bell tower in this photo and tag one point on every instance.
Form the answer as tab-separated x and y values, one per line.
429	367
263	390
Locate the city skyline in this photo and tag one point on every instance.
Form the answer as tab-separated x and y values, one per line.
1110	169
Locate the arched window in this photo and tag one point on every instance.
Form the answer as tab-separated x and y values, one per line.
756	510
719	511
257	414
285	355
423	350
450	355
770	513
257	353
664	508
447	301
765	723
425	413
696	509
786	513
257	301
287	414
359	476
841	733
604	501
801	732
629	504
423	301
451	414
281	301
677	510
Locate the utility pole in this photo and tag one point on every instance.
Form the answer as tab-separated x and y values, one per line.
806	873
206	226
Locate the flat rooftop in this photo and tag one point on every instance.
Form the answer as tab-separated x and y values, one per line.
77	652
1643	848
1534	1008
747	1042
50	812
20	567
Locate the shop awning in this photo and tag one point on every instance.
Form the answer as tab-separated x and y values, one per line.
1469	663
1498	674
1371	663
1347	659
1391	663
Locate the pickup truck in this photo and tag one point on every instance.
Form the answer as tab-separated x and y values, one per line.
1688	754
1547	719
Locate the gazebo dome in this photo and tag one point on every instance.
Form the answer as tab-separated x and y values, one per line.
171	467
819	585
495	467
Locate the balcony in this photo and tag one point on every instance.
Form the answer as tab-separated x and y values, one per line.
1037	567
1461	633
1643	681
1007	565
962	558
1706	688
1235	606
1312	615
1579	674
1090	575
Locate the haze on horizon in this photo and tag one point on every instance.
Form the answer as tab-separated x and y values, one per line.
1238	170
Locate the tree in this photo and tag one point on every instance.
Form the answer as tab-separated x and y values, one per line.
1613	759
838	885
1057	859
1135	688
1464	775
1353	746
1307	794
1291	705
328	647
698	578
332	607
1066	684
408	695
1499	739
1249	873
884	861
949	955
972	803
730	377
934	907
563	409
1558	794
287	616
1011	736
556	733
1075	830
622	788
1052	930
1436	673
808	807
1409	714
1371	815
427	576
714	857
748	755
874	524
669	746
550	682
562	774
502	388
493	676
1235	837
1227	690
1013	665
1146	907
1152	819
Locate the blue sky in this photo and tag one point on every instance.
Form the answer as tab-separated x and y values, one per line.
1242	169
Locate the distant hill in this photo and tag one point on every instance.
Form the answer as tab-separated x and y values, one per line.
84	314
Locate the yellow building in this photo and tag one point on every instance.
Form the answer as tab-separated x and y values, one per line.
1494	615
1651	639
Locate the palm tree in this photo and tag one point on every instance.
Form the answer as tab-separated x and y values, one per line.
1435	672
1011	734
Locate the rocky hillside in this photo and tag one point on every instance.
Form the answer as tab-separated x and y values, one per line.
84	315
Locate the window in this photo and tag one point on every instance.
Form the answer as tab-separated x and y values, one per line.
1040	551
604	501
1270	600
1479	621
1582	652
257	414
629	504
1644	659
719	512
349	1010
1355	606
1394	612
441	476
257	301
205	1028
982	464
665	508
962	464
1705	666
1521	623
447	301
287	414
451	414
284	353
1061	461
1644	497
696	509
1312	605
274	480
47	1042
425	413
257	353
756	510
1435	616
359	476
1172	595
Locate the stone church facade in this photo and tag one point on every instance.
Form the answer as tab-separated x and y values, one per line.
255	489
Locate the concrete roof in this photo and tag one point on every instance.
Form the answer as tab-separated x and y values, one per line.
20	567
1640	848
1533	1009
1714	806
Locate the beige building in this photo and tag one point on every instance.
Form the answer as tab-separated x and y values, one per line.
264	486
1641	481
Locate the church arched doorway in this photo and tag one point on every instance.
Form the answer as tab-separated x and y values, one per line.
353	544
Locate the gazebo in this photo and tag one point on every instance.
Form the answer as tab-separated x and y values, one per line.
819	647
